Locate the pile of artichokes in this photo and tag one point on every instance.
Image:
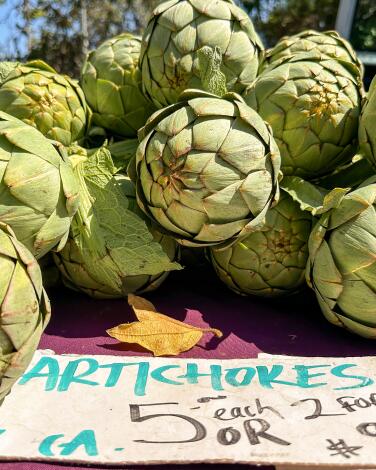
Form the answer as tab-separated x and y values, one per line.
192	136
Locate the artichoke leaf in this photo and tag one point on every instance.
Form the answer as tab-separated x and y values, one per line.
106	228
310	197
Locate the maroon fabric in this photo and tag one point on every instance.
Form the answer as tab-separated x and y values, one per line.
292	325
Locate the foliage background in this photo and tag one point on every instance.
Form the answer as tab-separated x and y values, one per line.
62	31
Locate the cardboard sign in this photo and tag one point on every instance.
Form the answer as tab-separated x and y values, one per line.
271	410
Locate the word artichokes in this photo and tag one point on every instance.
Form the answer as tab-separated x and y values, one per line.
272	261
111	81
206	170
35	93
38	191
313	105
341	268
110	252
367	126
24	308
175	33
329	43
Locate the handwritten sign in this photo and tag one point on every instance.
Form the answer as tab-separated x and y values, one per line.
270	410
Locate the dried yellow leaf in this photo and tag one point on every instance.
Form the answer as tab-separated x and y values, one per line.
140	303
160	334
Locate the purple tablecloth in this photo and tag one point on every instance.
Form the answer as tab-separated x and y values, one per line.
293	326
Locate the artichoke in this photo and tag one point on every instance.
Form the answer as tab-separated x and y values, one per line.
38	190
312	104
178	29
329	43
206	170
111	252
367	126
24	308
35	93
341	267
270	262
111	81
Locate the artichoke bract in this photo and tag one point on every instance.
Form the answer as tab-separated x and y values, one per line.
270	262
111	252
313	105
111	80
367	126
54	104
341	267
329	43
24	309
178	29
206	170
38	190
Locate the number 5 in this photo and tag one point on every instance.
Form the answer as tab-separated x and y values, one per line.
200	431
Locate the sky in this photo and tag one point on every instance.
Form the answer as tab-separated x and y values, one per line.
9	42
8	21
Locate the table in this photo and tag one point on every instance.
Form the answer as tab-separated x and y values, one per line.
293	325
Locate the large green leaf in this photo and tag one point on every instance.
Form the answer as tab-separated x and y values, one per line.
114	241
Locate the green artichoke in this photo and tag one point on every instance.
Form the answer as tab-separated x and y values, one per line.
270	262
206	170
111	81
313	105
178	29
342	267
38	191
367	126
329	43
24	308
35	93
111	252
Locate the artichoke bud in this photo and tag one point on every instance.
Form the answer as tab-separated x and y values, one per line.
170	57
271	261
52	103
206	170
341	267
24	308
38	190
111	80
328	44
367	126
312	103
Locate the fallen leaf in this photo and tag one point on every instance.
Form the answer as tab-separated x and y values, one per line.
160	334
